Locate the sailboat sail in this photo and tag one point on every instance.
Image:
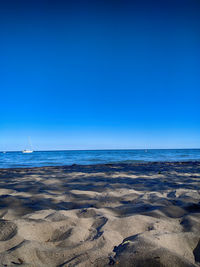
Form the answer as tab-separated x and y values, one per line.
30	150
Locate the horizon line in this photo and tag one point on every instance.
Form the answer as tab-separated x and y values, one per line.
103	149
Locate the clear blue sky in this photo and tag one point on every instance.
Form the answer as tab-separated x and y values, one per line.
100	74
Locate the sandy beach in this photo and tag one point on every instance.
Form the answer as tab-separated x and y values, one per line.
145	214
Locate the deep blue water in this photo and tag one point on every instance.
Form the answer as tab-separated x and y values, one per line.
59	158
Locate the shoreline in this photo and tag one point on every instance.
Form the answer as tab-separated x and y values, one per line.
138	214
135	163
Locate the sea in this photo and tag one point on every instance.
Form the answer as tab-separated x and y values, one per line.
87	157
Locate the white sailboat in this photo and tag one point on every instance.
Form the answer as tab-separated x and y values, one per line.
26	151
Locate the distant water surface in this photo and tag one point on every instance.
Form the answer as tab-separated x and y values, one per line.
69	157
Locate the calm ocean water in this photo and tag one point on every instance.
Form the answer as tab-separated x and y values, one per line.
59	158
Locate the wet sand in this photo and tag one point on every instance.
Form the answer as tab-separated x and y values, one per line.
145	214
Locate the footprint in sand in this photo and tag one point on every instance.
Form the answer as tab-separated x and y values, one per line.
96	228
87	213
7	230
55	217
60	234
